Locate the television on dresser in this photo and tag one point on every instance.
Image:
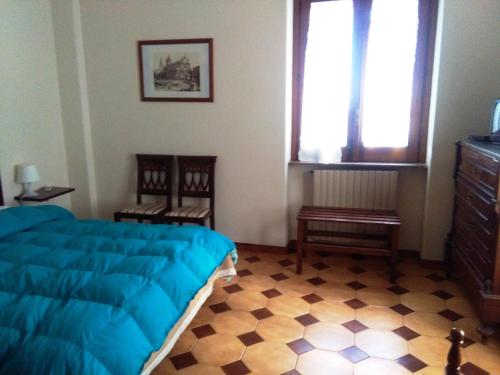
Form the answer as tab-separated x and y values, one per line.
495	122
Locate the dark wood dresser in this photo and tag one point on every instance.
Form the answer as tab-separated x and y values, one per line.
474	239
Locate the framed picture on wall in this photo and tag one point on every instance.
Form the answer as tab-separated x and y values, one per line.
176	70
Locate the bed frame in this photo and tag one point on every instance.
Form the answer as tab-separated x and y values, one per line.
452	364
1	193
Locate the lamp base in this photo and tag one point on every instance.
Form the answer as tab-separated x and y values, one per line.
28	191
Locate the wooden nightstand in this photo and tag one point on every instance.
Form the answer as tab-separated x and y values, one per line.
45	195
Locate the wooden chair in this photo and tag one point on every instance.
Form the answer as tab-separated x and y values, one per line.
154	177
196	180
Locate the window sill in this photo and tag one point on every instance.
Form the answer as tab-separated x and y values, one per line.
358	165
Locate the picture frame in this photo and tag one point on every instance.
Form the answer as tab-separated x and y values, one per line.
176	70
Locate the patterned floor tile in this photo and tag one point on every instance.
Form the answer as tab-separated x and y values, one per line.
340	316
250	338
261	313
381	344
355	326
306	319
411	363
203	331
329	336
323	362
353	354
406	333
236	368
402	309
355	303
183	360
269	358
219	307
300	346
312	298
450	315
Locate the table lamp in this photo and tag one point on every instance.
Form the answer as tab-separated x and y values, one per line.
26	174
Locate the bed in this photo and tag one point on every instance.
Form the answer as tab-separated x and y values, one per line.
96	297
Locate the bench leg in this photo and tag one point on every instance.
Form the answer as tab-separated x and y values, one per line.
300	240
394	239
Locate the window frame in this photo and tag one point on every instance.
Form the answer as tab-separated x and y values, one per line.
415	152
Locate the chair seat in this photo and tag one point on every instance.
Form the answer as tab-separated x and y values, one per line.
189	212
145	209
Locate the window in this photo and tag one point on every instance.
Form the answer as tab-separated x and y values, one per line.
362	72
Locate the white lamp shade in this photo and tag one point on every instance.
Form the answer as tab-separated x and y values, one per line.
26	173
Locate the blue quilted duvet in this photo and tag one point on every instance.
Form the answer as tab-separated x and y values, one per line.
94	297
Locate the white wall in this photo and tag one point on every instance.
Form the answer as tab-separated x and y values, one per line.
257	193
31	128
468	79
74	105
244	127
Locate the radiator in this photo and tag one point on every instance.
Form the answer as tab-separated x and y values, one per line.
354	189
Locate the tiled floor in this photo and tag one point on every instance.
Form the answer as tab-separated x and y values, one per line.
341	316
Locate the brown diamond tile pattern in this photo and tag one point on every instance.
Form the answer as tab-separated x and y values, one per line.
399	290
330	320
253	259
203	331
285	262
233	288
261	313
219	307
450	315
411	363
300	346
357	270
320	266
316	281
183	360
402	309
471	369
443	294
397	274
356	285
279	276
244	272
271	293
355	326
435	277
406	333
354	354
312	298
467	341
306	320
236	368
355	303
250	338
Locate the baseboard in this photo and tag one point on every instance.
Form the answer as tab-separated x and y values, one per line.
403	253
261	248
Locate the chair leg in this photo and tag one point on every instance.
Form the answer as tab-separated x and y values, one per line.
212	222
394	241
300	240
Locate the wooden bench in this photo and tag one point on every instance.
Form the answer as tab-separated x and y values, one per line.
387	219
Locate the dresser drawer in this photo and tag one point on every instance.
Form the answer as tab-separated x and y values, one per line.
482	204
484	234
475	258
481	169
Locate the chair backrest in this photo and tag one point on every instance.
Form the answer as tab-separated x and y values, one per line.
196	178
154	176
